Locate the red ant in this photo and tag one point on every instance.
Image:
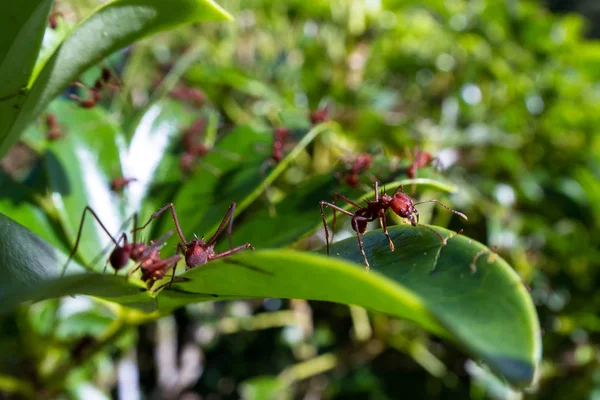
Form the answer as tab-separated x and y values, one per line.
193	95
153	267
280	136
198	251
54	133
421	160
52	20
361	163
117	184
95	92
399	202
193	149
319	115
121	254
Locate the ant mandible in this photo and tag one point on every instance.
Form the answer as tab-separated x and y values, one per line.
198	251
399	202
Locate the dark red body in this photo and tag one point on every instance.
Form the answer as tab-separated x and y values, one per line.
422	159
320	115
280	136
117	184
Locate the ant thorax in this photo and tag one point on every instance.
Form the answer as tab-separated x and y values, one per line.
198	253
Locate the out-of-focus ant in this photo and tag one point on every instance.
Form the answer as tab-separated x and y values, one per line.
400	203
281	137
319	115
198	251
121	254
193	95
361	163
421	159
118	184
194	148
54	132
53	20
106	80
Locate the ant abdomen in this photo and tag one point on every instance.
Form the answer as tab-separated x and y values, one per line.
119	258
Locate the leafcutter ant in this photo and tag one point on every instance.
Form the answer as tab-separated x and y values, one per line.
194	149
361	163
153	267
319	115
421	159
118	184
95	92
281	136
198	251
184	93
53	20
121	254
400	203
54	132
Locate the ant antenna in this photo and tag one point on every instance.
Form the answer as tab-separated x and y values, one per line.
446	207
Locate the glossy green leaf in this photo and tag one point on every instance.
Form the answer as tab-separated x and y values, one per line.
31	269
22	26
489	312
111	27
21	204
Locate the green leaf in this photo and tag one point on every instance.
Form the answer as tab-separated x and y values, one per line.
489	313
22	26
111	27
20	203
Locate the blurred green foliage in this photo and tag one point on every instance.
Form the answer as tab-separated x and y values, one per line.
505	93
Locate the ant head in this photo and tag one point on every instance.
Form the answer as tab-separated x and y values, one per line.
403	206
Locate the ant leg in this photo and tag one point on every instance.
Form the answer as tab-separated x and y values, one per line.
347	200
175	220
355	220
443	239
335	208
231	251
384	227
446	207
80	231
227	218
